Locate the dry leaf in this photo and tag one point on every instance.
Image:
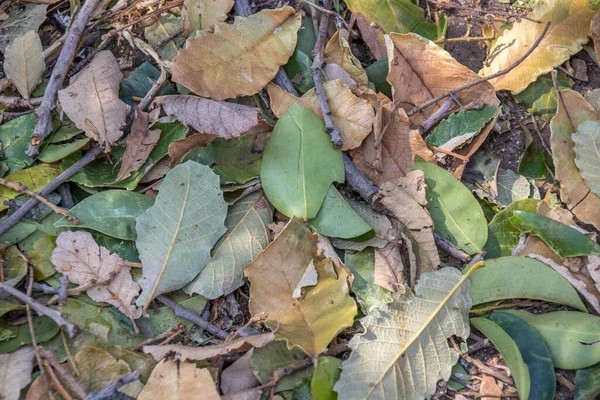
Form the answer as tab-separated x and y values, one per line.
388	267
80	258
569	29
92	101
420	70
140	143
338	52
239	59
24	62
580	200
15	372
179	148
179	381
373	37
239	375
595	34
490	387
353	116
313	321
98	369
205	12
183	353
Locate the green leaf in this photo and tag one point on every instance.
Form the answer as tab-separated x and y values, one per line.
14	136
587	149
462	123
112	212
571	336
20	231
509	351
457	215
502	235
337	219
39	257
325	376
306	35
56	152
124	248
513	187
380	223
43	327
534	162
165	26
534	352
7	306
14	265
370	296
540	96
298	68
377	74
139	83
175	235
65	131
587	383
267	359
233	160
521	278
34	178
247	235
564	240
300	163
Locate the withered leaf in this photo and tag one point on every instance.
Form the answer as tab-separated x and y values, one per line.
338	52
24	62
179	381
205	12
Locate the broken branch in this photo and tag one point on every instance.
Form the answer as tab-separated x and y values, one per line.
192	316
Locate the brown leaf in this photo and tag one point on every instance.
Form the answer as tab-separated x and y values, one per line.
183	353
595	34
239	375
15	370
338	52
372	35
239	59
389	268
420	70
92	102
140	144
83	262
179	148
208	12
490	387
24	62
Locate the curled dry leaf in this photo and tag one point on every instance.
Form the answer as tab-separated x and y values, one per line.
83	262
24	62
238	59
206	13
353	116
15	370
372	36
179	381
92	101
183	353
569	29
337	51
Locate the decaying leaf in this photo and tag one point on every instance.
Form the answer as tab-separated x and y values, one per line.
389	269
352	116
175	235
337	51
179	148
205	13
312	321
83	262
165	27
140	142
239	59
569	29
179	381
98	369
404	351
34	178
92	101
513	187
15	370
371	36
587	150
24	62
21	19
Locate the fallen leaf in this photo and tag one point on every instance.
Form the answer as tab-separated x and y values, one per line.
178	381
83	262
165	27
14	138
369	295
337	51
371	36
540	96
389	269
92	102
140	142
489	387
21	19
266	360
15	370
587	150
311	322
234	346
513	187
502	235
34	178
98	369
239	59
595	34
239	375
569	29
24	63
189	209
206	13
179	148
458	129
573	110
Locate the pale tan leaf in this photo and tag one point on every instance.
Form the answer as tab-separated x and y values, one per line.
490	387
205	13
569	29
353	116
183	353
140	143
337	51
15	372
313	321
24	62
388	267
595	35
420	70
239	59
332	72
309	278
83	262
92	101
179	381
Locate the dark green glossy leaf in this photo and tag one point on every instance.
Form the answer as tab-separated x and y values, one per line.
56	152
370	296
139	83
325	376
377	74
124	248
302	390
14	137
7	306
564	240
43	327
298	68
462	123
502	235
306	35
587	383
540	96
534	161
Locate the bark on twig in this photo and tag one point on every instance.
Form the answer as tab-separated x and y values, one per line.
154	89
479	11
450	248
64	375
192	316
112	391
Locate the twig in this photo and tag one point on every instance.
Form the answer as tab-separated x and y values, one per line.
358	181
49	188
56	383
280	373
19	187
154	89
64	374
19	102
480	365
491	12
192	316
317	64
436	117
112	390
449	153
43	126
451	248
324	10
62	290
178	328
464	39
539	133
66	198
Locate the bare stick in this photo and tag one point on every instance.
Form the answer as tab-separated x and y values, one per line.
41	309
177	328
111	391
49	188
192	316
433	119
464	39
56	383
19	102
62	290
154	89
317	64
19	187
476	10
450	248
66	375
358	181
43	127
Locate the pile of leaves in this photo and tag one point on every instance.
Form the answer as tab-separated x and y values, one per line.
296	201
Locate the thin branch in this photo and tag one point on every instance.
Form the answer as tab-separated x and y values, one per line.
451	248
358	181
480	11
154	89
324	10
464	39
436	117
19	102
111	391
63	374
177	328
192	316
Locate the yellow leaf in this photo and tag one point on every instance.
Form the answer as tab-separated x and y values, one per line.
24	62
313	320
206	12
338	52
239	59
178	381
569	29
353	116
34	178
